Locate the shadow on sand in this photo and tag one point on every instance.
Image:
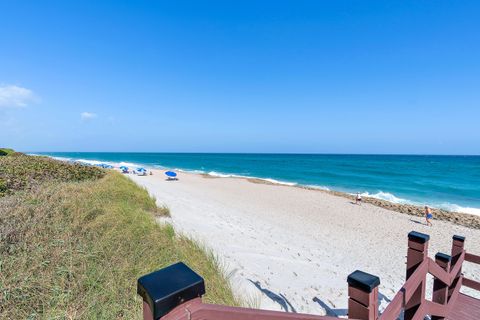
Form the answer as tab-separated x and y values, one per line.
277	298
330	311
416	221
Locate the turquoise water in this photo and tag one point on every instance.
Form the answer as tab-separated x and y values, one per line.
449	182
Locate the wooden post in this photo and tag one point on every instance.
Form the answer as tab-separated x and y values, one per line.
165	289
416	254
147	312
458	245
363	296
440	289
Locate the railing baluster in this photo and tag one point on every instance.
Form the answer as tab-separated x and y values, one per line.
440	289
416	254
458	245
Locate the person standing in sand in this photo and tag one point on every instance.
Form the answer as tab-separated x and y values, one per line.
358	199
428	215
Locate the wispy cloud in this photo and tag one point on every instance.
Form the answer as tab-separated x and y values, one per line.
87	116
12	96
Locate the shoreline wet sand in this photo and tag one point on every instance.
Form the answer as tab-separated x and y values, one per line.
460	218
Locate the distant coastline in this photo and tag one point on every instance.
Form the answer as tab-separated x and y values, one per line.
339	174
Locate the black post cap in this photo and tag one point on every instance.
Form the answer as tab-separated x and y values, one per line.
418	237
169	287
459	238
363	281
443	257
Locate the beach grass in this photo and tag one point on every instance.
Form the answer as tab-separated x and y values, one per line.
6	151
162	211
73	249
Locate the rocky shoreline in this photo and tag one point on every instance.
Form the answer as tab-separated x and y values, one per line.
460	218
464	219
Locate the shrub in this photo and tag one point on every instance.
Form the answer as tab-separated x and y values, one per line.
75	250
22	172
76	238
6	151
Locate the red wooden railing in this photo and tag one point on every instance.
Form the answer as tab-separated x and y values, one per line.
174	293
447	281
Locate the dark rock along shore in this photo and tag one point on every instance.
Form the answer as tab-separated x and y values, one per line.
464	219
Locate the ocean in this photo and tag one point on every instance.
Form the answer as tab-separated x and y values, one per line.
447	182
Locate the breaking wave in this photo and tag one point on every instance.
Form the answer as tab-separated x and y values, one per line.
445	206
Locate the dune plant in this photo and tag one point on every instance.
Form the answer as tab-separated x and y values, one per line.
73	246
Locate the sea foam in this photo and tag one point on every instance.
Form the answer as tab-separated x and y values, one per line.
382	195
387	197
445	206
226	175
457	208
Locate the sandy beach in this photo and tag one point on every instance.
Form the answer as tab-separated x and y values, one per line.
291	249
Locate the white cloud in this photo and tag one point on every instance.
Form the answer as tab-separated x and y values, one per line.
15	97
87	116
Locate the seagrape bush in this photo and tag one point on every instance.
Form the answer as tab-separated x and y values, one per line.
21	172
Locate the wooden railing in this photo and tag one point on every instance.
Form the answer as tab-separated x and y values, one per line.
174	293
447	281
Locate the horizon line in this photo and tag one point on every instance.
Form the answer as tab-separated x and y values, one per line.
266	153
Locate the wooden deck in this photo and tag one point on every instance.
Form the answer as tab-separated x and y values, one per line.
174	293
465	308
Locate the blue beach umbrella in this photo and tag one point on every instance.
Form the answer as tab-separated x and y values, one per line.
141	169
123	168
171	174
108	166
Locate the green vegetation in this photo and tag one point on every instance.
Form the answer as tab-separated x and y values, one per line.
22	172
6	151
72	245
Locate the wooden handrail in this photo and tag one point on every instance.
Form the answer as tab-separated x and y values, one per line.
436	309
472	258
392	311
415	280
234	313
435	270
471	284
394	308
446	277
197	310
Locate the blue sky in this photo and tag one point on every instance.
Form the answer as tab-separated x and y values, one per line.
241	76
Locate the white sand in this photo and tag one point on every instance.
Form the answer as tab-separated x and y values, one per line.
291	248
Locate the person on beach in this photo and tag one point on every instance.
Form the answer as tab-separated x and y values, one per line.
358	199
428	216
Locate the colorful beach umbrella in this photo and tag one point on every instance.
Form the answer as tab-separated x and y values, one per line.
141	169
171	174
